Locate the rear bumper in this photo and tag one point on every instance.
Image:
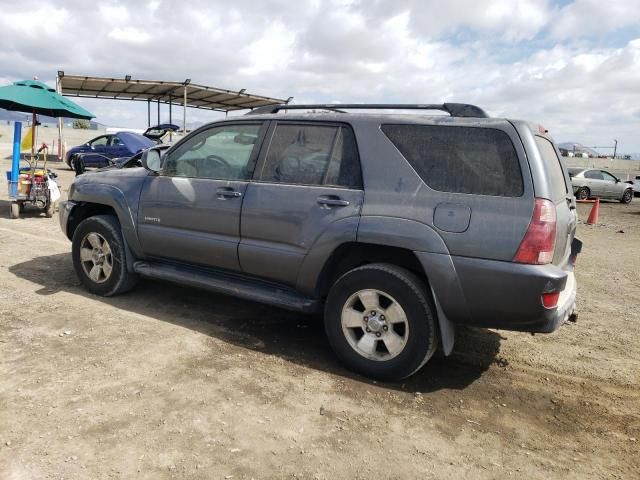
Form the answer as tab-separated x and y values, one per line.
498	294
507	295
566	307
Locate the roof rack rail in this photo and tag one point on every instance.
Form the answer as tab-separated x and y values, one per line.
453	109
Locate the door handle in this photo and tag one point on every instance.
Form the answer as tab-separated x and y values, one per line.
332	202
227	192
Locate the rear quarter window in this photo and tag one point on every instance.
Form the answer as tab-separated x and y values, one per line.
472	160
556	174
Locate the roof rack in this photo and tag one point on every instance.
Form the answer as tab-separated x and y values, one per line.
453	109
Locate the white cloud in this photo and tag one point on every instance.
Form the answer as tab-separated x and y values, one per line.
510	20
45	19
584	18
129	35
561	75
271	51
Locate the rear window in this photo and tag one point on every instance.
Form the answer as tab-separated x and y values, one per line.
480	161
558	185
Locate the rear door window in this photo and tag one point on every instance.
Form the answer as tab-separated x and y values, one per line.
594	175
480	161
312	155
558	185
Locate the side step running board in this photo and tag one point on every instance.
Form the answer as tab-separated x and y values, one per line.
229	284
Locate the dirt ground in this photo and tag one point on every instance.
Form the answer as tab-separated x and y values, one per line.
166	382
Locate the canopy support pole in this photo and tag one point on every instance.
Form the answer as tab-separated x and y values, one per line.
148	113
184	113
158	113
170	119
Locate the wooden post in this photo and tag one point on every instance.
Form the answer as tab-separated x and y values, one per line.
59	91
33	134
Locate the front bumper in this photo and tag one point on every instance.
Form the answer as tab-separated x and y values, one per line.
65	208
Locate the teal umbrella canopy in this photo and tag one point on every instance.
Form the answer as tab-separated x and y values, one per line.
31	96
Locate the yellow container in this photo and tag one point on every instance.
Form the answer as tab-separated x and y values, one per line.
24	184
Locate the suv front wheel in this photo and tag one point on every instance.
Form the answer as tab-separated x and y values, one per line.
99	257
380	321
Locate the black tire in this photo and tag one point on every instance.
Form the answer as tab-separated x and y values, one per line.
627	196
583	193
14	210
78	165
51	209
411	293
119	280
71	164
21	206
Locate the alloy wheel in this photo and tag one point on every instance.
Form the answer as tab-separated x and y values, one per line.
375	325
96	257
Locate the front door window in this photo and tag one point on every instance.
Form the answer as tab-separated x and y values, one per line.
223	153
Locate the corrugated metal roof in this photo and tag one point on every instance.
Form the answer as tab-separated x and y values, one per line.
198	96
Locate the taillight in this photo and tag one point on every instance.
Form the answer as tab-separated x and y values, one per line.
539	242
550	299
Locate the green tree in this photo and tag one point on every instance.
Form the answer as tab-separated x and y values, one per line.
81	124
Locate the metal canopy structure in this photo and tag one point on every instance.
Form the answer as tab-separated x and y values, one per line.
185	94
197	96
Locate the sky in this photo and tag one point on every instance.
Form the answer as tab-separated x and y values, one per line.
573	66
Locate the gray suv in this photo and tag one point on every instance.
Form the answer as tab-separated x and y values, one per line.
396	227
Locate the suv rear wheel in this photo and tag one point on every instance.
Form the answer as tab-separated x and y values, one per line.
380	321
99	257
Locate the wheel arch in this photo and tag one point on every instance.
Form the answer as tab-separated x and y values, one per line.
435	270
103	198
84	210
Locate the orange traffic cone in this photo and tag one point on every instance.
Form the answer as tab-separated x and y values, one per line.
593	215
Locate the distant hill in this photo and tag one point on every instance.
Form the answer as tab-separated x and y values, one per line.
9	116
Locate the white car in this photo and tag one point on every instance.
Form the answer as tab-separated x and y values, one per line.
591	183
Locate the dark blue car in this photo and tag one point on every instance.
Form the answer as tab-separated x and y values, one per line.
99	151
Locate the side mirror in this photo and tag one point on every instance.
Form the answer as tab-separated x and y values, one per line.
152	160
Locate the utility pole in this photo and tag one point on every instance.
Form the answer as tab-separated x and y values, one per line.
615	147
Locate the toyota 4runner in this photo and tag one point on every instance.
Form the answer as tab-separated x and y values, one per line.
395	226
